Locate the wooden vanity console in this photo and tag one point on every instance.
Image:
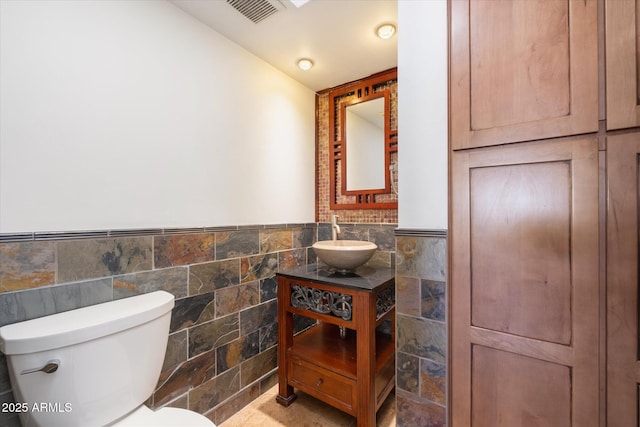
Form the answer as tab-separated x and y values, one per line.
353	371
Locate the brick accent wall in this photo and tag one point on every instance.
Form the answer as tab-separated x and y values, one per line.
386	216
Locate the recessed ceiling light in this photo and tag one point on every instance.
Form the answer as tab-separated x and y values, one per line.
305	64
386	31
299	3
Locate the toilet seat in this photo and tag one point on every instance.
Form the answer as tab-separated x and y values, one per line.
164	417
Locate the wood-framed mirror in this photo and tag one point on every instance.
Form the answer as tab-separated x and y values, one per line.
364	144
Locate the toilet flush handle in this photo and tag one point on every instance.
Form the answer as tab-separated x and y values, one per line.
49	368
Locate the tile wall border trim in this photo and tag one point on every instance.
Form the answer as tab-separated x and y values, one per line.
420	232
136	232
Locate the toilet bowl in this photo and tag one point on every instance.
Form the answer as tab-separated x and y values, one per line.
165	417
94	366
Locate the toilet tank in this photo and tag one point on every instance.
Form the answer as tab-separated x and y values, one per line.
109	359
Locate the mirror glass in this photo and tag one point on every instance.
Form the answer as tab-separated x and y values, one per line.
365	145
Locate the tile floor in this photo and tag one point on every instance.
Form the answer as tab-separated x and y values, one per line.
306	411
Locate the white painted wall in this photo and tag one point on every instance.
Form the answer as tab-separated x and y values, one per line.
422	114
128	114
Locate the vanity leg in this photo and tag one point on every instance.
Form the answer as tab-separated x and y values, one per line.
286	396
366	359
286	401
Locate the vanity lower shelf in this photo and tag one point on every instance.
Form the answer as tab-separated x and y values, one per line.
324	365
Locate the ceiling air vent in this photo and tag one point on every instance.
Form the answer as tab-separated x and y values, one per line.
256	10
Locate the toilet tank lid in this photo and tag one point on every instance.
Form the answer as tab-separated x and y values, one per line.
83	324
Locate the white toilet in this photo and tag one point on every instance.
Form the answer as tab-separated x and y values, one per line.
93	366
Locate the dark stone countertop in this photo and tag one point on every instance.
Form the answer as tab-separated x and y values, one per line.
364	277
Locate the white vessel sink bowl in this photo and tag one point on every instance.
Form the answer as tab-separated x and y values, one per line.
344	255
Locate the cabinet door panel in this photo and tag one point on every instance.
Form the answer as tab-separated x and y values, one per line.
622	62
623	365
526	290
536	87
512	82
514	390
525	286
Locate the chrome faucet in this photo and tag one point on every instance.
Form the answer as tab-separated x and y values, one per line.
335	228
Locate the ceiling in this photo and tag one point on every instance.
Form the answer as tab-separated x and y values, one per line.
338	35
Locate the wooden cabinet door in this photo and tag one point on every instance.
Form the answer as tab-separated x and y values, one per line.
623	365
524	285
622	62
522	70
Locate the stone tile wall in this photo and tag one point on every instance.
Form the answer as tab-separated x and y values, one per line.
222	349
421	347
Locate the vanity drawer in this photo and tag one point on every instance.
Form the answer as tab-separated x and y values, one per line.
325	385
